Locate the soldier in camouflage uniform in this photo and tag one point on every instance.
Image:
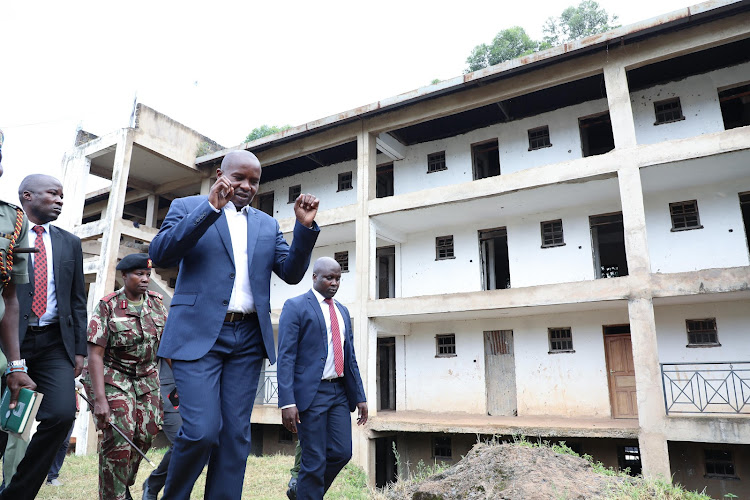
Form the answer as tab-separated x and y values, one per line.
122	380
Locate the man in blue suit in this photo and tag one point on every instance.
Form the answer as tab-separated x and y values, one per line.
319	381
219	328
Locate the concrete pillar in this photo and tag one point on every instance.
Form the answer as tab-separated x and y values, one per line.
105	279
365	341
634	221
206	185
618	99
76	168
652	416
152	210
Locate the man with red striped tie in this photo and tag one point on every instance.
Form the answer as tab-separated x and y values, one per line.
319	381
52	329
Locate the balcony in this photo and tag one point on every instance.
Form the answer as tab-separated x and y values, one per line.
268	389
706	388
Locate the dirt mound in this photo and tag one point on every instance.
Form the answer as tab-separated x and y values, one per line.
512	472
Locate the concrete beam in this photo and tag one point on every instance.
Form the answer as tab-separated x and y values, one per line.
90	229
325	218
101	206
390	147
387	327
143	233
134	183
388	232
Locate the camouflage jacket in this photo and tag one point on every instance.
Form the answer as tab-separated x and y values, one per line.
19	275
130	340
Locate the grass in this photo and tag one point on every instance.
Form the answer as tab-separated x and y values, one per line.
266	478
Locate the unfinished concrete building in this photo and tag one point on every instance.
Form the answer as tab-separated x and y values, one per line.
556	247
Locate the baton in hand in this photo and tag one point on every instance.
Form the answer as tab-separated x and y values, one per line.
120	432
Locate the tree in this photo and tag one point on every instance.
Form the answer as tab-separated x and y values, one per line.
265	130
589	18
507	44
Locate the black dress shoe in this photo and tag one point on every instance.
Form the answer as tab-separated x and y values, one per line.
147	493
291	493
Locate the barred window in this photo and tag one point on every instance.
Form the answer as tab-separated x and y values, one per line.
539	138
441	448
668	110
343	259
719	463
552	233
436	162
444	247
265	203
685	215
294	192
445	345
560	339
702	332
345	181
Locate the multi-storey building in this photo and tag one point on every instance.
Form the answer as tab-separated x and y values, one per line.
556	246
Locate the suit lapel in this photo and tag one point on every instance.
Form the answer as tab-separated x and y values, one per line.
57	249
252	236
315	305
223	228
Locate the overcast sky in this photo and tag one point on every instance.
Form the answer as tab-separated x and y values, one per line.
225	67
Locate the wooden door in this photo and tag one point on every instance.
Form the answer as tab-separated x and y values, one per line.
500	372
621	375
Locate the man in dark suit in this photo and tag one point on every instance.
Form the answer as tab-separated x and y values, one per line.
319	381
52	329
219	328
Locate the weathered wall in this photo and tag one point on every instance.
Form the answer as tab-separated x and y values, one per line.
712	246
731	324
687	461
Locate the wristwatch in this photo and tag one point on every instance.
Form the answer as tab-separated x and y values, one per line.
18	365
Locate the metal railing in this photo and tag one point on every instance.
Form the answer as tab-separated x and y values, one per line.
268	389
706	387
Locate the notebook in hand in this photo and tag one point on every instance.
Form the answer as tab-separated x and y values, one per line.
19	420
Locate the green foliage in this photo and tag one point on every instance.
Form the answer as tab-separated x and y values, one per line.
436	80
203	149
589	18
508	44
422	471
265	130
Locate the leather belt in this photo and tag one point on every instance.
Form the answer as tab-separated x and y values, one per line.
235	316
35	328
337	380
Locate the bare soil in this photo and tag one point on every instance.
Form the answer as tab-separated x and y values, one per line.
512	472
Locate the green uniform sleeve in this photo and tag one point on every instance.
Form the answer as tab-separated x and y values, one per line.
20	273
98	330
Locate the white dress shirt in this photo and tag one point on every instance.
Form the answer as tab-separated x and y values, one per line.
50	316
241	299
329	371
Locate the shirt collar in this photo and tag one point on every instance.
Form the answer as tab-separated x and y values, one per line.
45	226
318	295
231	207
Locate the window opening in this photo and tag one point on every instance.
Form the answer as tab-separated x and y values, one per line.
552	233
445	345
735	106
702	332
386	370
745	209
444	247
264	203
629	457
596	135
539	138
486	159
386	271
493	248
608	245
719	464
294	192
343	259
685	215
668	111
560	339
441	448
384	181
436	162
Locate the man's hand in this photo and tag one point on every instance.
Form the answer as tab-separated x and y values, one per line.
361	413
15	381
101	413
79	365
305	209
221	192
290	418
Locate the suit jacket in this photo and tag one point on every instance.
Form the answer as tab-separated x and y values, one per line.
70	291
303	348
197	239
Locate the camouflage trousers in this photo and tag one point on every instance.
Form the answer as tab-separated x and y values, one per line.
139	417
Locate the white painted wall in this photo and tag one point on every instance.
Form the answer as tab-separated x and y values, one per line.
566	384
321	182
530	264
731	323
700	105
713	246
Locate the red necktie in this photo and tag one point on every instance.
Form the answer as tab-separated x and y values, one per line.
338	353
39	304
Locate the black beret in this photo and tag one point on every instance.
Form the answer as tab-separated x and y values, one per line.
135	261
